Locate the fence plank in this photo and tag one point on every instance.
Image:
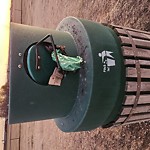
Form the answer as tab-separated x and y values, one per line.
139	109
14	144
142	53
16	15
132	72
144	99
132	33
8	137
132	62
140	116
132	86
138	42
15	131
16	12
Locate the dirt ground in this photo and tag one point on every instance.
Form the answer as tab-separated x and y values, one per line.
45	135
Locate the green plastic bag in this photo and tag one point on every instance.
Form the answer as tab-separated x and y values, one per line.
67	63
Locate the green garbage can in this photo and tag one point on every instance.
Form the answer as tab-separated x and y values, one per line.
105	91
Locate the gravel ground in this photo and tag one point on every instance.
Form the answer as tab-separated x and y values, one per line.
48	13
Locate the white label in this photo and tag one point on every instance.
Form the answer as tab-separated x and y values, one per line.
107	60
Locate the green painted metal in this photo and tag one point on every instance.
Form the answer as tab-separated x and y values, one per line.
29	100
47	65
100	92
88	98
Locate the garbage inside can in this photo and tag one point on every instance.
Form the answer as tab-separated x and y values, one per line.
68	63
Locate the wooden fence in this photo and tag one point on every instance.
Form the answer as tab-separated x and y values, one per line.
13	131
